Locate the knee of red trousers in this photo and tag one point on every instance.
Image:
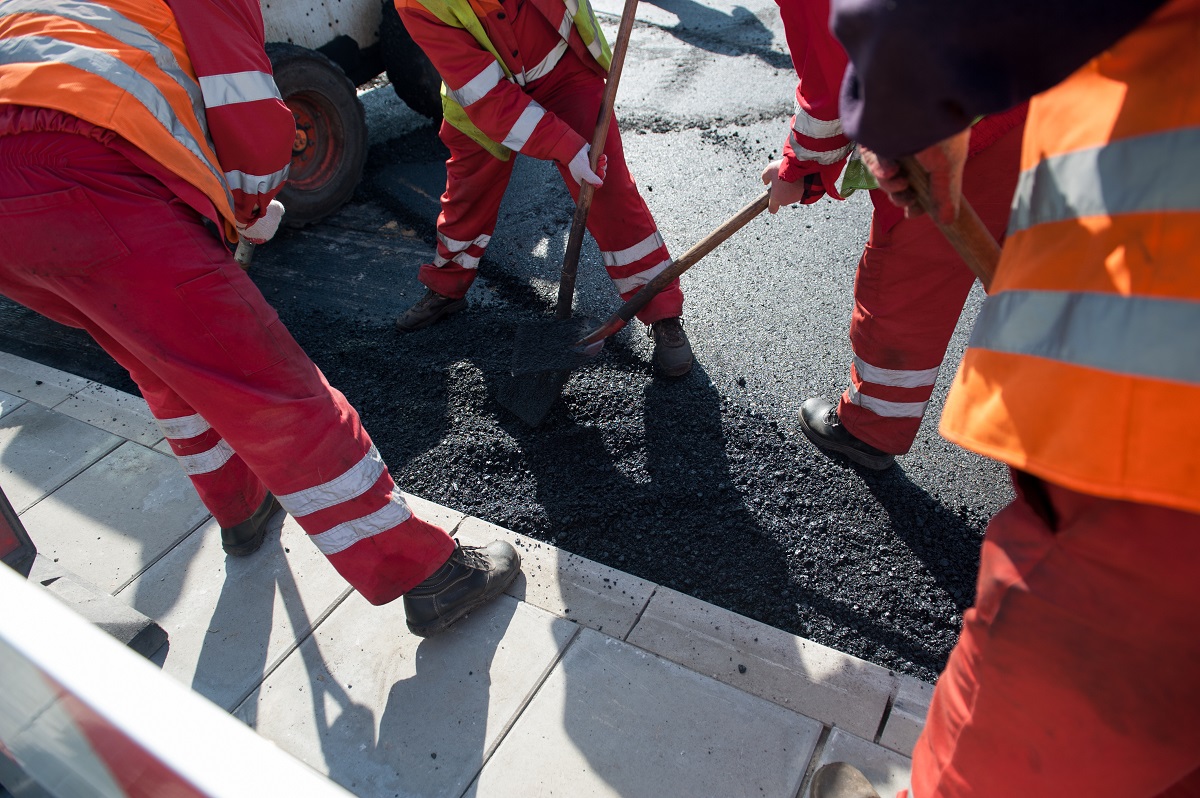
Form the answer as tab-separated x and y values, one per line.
667	304
889	434
385	566
450	280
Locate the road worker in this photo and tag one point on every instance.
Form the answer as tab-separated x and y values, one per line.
527	76
1076	671
137	141
911	285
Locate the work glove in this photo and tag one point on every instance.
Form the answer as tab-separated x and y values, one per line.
581	168
263	229
806	191
944	161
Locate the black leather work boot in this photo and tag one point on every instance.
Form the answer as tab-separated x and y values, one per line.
472	576
672	350
429	309
820	423
839	780
246	537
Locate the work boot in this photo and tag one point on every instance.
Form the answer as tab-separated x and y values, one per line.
672	351
820	423
472	576
839	780
245	538
429	309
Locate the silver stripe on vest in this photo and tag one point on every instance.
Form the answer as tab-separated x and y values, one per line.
522	129
183	427
477	87
343	536
641	249
47	50
1144	174
1137	336
257	184
896	378
806	124
884	408
238	87
626	284
353	483
206	462
823	157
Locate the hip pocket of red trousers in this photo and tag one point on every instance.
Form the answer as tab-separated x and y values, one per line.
237	318
56	234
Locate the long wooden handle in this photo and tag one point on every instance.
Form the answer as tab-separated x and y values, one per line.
566	283
967	233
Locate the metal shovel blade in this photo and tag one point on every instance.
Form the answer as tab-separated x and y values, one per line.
543	359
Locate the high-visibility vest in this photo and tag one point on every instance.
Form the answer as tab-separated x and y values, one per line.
1084	364
120	65
461	14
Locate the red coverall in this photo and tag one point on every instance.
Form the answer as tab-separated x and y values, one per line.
911	285
95	234
619	220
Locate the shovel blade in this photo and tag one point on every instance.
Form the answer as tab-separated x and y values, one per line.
543	359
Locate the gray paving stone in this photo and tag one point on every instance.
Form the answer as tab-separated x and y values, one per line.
233	619
888	771
35	382
907	718
385	713
41	449
816	681
613	720
114	411
432	513
9	403
565	585
117	517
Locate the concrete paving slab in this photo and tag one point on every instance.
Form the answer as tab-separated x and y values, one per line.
907	718
35	382
9	403
816	681
563	584
888	771
232	620
115	519
114	411
613	720
385	713
40	450
436	514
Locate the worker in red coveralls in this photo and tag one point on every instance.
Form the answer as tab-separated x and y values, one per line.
526	76
1078	669
137	140
911	285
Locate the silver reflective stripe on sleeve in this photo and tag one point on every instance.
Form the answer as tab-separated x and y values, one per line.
206	462
896	378
1138	336
257	184
477	87
354	482
183	427
523	128
825	157
343	536
807	125
548	63
238	87
635	253
626	284
1144	174
886	409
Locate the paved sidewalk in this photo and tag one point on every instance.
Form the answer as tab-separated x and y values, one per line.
581	681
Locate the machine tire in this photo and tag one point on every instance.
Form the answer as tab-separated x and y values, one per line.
413	76
331	133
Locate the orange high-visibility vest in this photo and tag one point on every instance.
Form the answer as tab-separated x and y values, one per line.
1084	364
120	65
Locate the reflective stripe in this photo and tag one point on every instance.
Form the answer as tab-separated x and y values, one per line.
343	536
477	87
206	462
564	27
1137	336
462	259
886	409
355	482
594	46
184	427
823	157
238	87
625	284
808	125
635	253
896	378
455	245
257	184
548	63
47	50
523	128
1144	174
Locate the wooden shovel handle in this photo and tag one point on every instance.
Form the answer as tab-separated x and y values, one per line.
967	233
566	283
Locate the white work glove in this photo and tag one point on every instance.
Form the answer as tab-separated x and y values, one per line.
263	230
581	168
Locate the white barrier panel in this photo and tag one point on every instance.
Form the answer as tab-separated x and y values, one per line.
84	716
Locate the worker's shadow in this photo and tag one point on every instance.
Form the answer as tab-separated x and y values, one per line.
739	31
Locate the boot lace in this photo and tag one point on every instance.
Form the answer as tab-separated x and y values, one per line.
669	331
831	418
471	556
